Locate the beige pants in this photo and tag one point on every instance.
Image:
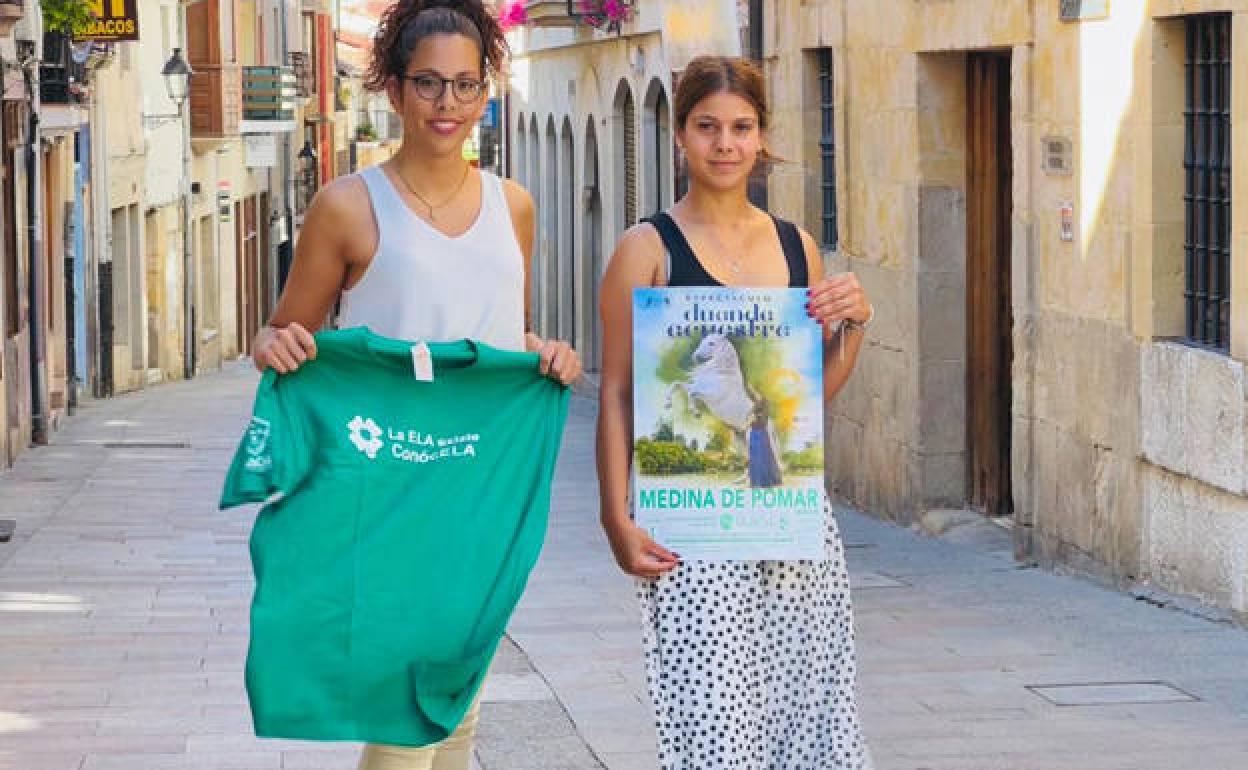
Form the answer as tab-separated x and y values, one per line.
454	753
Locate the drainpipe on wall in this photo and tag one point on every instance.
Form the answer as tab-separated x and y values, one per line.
189	340
34	252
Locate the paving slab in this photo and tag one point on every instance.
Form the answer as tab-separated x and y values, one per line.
123	618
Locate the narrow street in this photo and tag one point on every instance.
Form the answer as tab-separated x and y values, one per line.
123	627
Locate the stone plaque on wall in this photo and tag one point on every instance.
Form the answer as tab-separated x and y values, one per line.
1083	10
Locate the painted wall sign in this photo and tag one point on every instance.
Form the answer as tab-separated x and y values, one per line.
1084	10
116	21
260	150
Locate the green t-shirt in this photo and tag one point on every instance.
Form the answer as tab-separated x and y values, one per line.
403	518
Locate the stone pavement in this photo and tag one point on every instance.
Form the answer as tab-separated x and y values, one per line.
123	610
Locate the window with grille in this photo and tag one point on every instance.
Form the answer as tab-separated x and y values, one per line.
827	150
1207	191
630	162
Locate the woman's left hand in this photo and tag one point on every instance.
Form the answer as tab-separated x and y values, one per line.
837	299
558	360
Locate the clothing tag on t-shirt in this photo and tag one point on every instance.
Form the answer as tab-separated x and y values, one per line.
422	362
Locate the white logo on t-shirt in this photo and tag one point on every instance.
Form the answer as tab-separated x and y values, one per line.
257	444
366	435
411	445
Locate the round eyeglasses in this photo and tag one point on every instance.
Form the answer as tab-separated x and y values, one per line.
430	87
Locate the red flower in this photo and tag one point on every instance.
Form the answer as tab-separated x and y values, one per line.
512	14
601	13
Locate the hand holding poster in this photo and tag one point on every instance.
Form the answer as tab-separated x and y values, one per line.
728	423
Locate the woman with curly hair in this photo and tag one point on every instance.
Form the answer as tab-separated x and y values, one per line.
423	246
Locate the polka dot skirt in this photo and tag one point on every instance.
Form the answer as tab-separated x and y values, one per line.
751	664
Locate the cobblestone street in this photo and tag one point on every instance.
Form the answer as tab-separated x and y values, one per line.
123	627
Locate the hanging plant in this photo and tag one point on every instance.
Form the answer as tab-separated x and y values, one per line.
511	14
64	16
606	14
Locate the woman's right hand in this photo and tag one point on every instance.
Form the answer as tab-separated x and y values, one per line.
635	551
283	349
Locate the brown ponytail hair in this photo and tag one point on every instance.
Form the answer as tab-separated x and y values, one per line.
707	75
405	23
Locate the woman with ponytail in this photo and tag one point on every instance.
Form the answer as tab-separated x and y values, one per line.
750	663
423	246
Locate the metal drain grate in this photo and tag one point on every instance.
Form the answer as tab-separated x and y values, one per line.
146	445
1111	693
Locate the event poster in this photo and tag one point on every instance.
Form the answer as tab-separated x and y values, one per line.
728	423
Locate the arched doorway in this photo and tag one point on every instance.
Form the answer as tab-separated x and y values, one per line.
566	325
657	150
537	190
592	251
624	119
519	168
549	234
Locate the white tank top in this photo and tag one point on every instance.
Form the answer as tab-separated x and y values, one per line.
424	285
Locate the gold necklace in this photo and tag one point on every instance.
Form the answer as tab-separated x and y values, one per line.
422	199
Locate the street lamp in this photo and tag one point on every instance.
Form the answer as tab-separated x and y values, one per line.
177	74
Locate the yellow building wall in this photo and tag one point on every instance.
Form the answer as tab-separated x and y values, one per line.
1104	408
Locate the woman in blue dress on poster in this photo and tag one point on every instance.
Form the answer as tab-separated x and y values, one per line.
764	459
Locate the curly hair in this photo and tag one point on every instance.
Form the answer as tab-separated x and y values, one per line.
404	24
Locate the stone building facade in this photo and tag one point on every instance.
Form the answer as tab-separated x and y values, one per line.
588	127
1055	232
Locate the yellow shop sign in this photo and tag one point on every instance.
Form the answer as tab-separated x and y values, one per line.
115	21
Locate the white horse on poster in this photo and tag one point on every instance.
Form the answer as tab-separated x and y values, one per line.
716	384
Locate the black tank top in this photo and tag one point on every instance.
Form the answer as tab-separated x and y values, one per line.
687	270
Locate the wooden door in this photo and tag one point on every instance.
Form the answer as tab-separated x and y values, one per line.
989	319
251	256
264	263
242	304
10	342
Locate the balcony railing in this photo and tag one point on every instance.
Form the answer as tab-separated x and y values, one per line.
550	13
269	93
61	79
570	13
